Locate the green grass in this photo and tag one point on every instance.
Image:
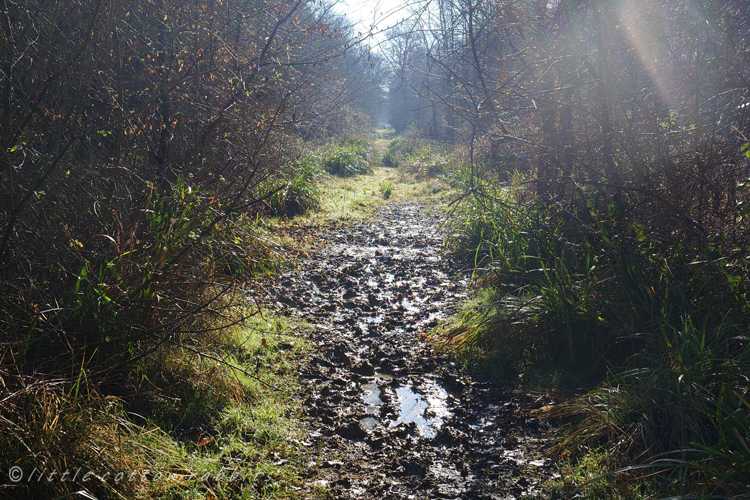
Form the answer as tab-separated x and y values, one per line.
583	294
215	417
418	157
386	133
247	444
355	198
347	158
293	194
679	410
587	477
386	189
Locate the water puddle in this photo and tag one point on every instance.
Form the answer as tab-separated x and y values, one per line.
369	423
426	410
409	306
371	395
376	320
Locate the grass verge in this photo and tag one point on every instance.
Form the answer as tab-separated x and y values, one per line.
650	329
211	418
343	199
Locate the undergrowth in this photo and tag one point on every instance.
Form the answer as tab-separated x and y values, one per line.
346	158
294	193
595	287
114	364
211	417
418	157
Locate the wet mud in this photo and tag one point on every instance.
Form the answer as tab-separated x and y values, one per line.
390	418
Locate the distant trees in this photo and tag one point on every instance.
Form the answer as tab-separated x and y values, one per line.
593	91
406	56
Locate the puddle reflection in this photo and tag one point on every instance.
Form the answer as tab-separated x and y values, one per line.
371	395
427	410
369	423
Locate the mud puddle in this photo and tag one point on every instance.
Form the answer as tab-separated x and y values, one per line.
391	418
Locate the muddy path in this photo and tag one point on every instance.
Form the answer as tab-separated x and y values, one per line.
389	417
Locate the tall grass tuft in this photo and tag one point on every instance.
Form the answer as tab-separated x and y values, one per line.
400	151
598	282
293	194
547	269
682	403
347	158
66	439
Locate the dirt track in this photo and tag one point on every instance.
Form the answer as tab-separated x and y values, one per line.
390	419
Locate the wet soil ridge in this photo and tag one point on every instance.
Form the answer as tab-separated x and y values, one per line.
391	419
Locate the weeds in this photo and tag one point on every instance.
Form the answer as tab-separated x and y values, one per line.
599	287
227	412
295	193
683	401
389	159
386	189
120	365
417	157
60	440
588	477
347	158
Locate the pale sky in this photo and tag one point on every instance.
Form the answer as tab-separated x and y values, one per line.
376	14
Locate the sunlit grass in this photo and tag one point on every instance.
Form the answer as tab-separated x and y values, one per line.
579	296
357	198
216	416
587	477
250	444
